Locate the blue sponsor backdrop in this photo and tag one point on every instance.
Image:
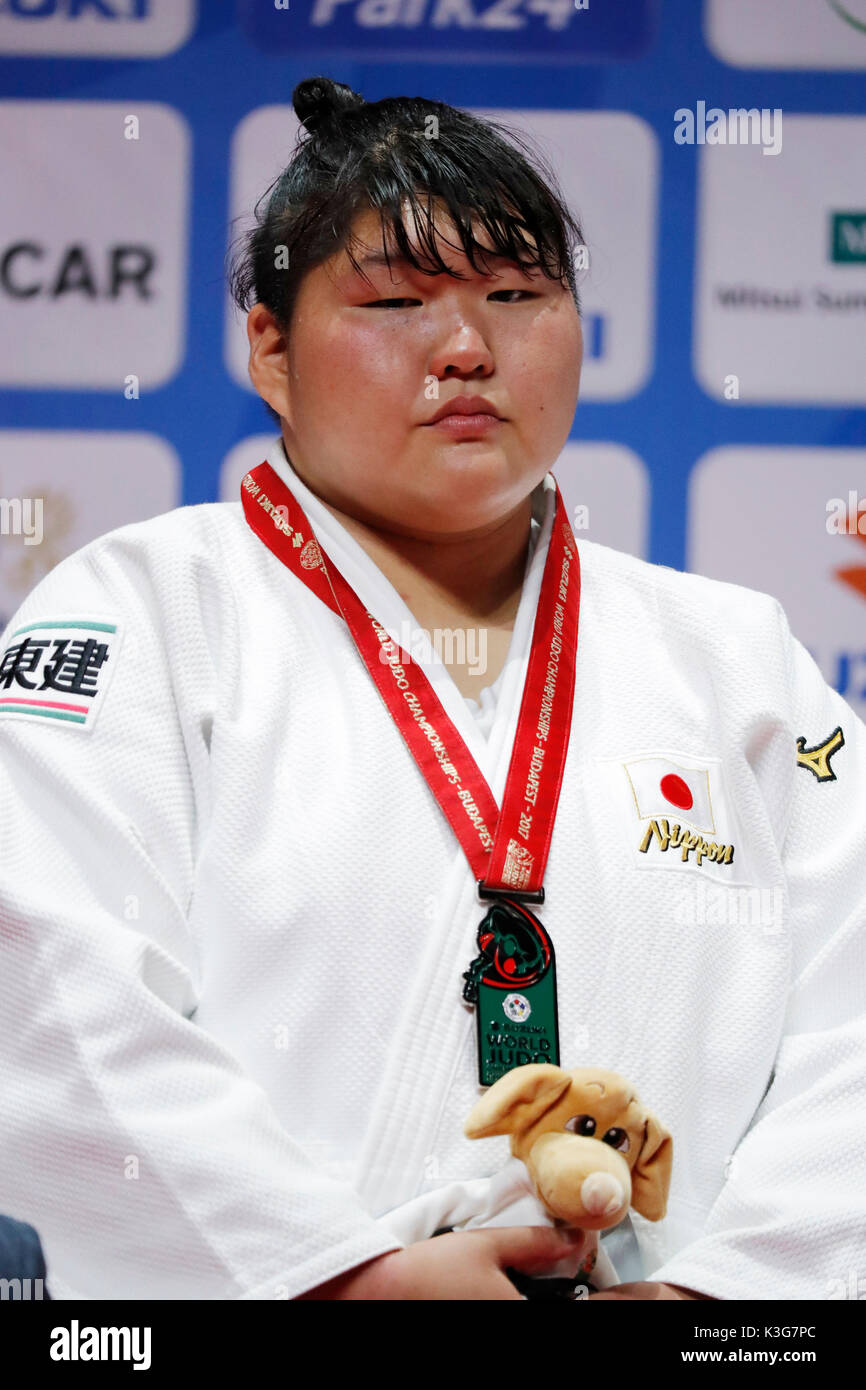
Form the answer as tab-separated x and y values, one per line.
634	56
476	31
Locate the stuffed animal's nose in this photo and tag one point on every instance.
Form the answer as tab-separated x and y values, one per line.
602	1194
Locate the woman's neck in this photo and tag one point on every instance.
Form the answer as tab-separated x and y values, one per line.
477	577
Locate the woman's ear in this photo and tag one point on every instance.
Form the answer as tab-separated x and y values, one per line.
268	364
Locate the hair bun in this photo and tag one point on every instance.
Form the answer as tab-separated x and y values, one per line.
318	101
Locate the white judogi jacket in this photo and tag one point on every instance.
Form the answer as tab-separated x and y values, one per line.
234	920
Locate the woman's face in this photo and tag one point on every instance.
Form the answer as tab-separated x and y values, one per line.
364	369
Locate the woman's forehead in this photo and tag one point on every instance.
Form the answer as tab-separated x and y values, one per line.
373	243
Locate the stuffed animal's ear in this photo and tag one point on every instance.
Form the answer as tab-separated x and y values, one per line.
517	1100
651	1174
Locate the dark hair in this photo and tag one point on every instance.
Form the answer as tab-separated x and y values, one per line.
355	155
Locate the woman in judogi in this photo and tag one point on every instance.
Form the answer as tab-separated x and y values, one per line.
260	828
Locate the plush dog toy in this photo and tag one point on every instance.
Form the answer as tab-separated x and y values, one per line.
591	1149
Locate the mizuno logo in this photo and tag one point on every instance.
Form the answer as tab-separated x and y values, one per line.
817	759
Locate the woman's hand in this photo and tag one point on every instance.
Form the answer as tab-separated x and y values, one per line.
460	1265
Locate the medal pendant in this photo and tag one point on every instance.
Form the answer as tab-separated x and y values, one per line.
512	982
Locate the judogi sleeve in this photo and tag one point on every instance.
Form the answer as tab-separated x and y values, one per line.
789	1221
150	1164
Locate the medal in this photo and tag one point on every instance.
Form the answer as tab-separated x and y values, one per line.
512	980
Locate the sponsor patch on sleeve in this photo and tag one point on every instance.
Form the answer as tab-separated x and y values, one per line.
817	759
57	670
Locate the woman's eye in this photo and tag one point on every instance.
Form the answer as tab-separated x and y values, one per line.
399	303
379	303
530	293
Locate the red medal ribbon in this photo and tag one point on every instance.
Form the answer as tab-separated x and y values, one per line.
507	849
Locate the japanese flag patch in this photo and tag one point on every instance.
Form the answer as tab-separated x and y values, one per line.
669	787
675	811
57	670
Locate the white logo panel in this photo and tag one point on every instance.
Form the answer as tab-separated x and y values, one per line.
787	33
95	28
59	490
791	522
781	267
606	491
93	233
